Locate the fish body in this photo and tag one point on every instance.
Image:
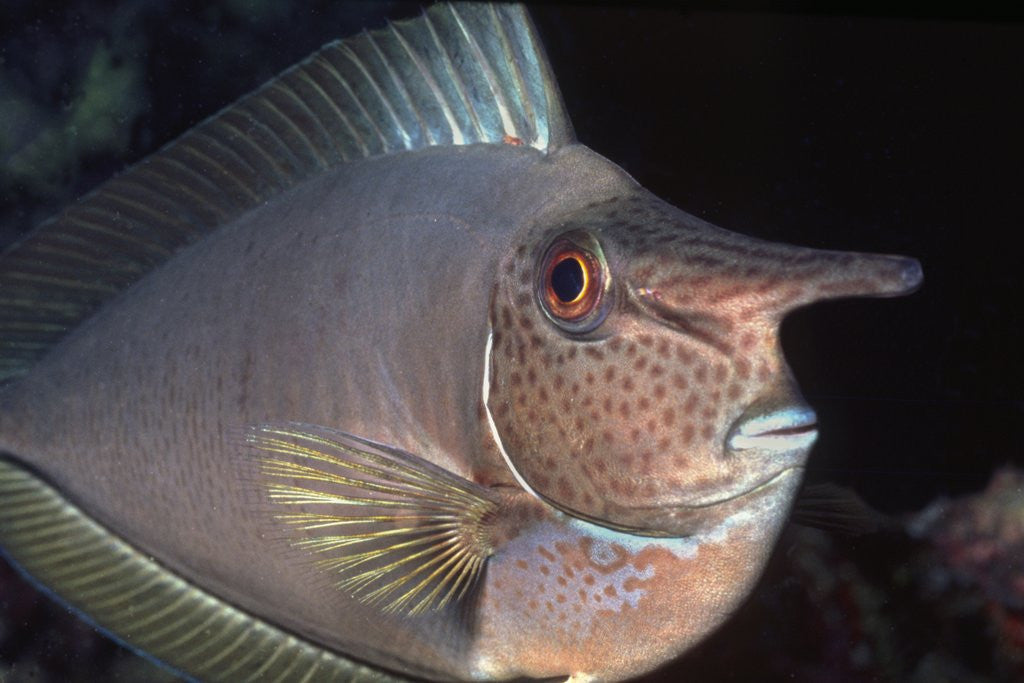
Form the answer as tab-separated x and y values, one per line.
456	409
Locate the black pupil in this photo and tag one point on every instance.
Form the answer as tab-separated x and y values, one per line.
567	279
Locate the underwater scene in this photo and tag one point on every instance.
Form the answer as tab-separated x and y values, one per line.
884	131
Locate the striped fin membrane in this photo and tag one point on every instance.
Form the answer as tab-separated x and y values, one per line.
398	531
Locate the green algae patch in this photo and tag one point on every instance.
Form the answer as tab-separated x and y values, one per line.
47	150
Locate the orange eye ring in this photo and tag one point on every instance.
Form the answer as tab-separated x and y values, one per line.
572	285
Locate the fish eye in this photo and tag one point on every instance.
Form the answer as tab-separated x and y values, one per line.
568	281
573	283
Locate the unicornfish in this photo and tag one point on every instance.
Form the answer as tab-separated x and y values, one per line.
378	373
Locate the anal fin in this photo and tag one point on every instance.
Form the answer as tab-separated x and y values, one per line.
142	603
397	530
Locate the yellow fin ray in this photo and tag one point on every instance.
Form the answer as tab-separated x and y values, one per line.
396	530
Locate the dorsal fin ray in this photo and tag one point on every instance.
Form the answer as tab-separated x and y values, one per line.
455	75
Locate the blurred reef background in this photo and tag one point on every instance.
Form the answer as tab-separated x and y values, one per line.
879	129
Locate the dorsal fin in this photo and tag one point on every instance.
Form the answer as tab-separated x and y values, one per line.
456	75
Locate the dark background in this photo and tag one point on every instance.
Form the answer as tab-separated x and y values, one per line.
886	131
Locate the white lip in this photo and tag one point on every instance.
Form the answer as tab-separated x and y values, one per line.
782	430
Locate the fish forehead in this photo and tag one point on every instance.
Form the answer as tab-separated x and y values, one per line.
654	247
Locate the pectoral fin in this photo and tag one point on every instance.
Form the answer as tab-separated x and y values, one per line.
397	530
839	510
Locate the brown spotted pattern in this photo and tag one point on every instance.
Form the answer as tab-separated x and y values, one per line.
628	424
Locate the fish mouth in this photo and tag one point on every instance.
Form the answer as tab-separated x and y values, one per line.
787	429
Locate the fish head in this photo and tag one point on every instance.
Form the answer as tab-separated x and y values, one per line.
636	377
